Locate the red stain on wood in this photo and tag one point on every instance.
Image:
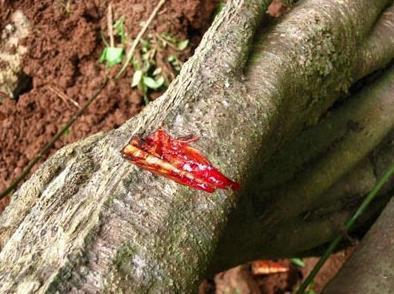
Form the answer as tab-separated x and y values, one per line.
175	159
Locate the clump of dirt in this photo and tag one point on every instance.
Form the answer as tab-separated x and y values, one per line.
64	47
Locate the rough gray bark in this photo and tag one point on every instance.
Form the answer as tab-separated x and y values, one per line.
89	221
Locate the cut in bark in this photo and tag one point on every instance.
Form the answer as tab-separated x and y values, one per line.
88	220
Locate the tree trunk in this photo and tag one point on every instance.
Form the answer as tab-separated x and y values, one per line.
308	189
88	220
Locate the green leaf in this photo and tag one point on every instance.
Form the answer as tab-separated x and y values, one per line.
146	65
171	58
137	77
152	83
113	55
160	80
145	45
157	71
297	261
119	29
136	63
182	44
146	56
103	55
168	37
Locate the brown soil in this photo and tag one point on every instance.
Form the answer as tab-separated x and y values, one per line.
62	62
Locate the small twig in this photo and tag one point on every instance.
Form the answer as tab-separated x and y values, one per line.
130	53
76	104
109	24
49	145
64	97
348	226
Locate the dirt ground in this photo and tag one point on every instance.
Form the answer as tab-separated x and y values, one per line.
62	64
62	73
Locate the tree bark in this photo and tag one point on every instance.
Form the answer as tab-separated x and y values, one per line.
307	190
89	221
